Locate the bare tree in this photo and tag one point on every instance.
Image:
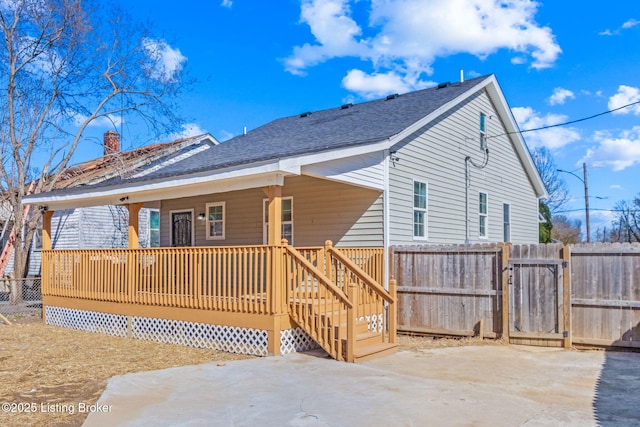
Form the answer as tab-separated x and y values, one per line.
565	230
63	65
626	226
556	186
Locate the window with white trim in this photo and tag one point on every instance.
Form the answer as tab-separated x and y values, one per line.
483	216
154	228
37	239
215	220
287	219
419	210
506	222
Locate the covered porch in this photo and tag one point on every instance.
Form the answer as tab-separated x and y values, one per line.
266	299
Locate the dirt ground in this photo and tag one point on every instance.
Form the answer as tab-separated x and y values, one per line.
43	368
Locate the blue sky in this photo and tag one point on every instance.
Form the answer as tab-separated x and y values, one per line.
555	60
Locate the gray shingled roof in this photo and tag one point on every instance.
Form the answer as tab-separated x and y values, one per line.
319	131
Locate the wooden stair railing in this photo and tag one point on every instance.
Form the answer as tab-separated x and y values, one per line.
344	316
369	298
317	305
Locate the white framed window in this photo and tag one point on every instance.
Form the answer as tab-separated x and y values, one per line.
506	222
154	228
483	132
37	239
215	220
483	215
287	220
420	196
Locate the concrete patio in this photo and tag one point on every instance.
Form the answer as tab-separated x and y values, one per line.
457	386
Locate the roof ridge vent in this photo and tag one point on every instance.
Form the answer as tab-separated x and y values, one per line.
305	114
390	97
443	85
345	106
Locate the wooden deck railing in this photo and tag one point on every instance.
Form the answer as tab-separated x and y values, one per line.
371	295
370	260
233	279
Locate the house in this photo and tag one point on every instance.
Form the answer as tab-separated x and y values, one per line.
105	226
260	234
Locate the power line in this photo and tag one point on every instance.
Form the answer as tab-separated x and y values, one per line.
566	123
598	209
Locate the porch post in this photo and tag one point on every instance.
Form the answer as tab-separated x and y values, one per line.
274	240
45	279
274	192
134	242
134	210
46	230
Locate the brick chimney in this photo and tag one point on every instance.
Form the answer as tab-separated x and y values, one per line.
111	142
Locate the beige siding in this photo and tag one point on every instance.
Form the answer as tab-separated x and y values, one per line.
436	155
322	209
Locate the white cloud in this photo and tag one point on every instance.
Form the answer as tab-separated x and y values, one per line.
626	95
376	85
617	152
166	61
404	37
630	23
552	138
188	130
615	187
109	121
333	29
560	95
226	3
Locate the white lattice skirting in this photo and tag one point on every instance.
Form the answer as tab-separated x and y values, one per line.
295	340
375	322
225	338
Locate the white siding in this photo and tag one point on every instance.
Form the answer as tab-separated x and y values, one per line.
365	170
97	227
436	155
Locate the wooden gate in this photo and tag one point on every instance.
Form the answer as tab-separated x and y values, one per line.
449	289
537	307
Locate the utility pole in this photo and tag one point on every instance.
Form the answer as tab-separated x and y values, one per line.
586	202
586	196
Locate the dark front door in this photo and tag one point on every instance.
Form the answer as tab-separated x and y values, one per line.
181	228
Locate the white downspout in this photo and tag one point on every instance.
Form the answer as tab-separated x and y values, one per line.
386	218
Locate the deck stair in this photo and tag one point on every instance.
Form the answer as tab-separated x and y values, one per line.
350	325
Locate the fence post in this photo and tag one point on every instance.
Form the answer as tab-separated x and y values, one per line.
353	291
566	296
506	251
393	311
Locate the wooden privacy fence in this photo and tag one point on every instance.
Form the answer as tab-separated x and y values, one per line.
531	294
605	300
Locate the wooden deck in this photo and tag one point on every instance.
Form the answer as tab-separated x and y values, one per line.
334	295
